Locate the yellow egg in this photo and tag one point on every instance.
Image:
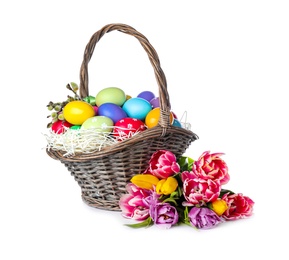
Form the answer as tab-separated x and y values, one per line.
152	118
77	111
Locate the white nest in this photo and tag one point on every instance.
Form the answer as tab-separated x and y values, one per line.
81	140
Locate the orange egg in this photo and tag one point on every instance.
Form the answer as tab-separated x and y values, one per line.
153	116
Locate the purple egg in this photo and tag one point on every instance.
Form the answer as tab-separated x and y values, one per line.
155	102
111	110
147	95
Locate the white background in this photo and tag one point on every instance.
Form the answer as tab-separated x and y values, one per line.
226	64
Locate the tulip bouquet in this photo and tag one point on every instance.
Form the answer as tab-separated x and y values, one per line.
172	191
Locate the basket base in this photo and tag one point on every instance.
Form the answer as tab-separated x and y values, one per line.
100	204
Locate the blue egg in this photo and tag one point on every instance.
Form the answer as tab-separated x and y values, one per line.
177	123
147	95
137	108
112	111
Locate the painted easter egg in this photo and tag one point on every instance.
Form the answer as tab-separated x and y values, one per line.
155	102
174	115
60	126
147	95
177	123
137	108
101	124
126	127
113	111
95	110
110	95
75	127
153	116
77	111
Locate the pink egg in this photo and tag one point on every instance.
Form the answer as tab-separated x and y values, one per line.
95	109
126	127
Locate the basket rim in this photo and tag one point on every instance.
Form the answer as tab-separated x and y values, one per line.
150	133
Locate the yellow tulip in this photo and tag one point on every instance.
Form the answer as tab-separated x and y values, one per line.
159	186
219	206
167	186
145	181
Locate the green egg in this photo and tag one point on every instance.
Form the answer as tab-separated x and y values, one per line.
75	127
110	95
100	124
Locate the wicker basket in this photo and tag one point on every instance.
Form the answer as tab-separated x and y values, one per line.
103	175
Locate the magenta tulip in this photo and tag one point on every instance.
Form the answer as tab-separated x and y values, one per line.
211	166
133	205
198	191
239	206
163	164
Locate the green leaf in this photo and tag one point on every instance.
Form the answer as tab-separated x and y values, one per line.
224	191
175	194
180	191
184	215
210	206
146	223
186	163
170	200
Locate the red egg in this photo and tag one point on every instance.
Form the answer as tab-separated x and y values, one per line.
59	126
174	115
126	127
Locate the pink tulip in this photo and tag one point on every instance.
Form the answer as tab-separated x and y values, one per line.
239	206
198	191
163	164
211	166
133	205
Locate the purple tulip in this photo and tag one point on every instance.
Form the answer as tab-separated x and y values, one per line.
203	218
164	215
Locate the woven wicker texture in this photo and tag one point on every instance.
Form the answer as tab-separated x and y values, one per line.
103	175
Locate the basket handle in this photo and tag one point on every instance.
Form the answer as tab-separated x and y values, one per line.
164	100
